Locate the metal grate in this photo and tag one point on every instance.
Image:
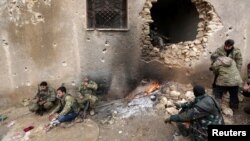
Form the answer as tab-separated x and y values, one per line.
107	13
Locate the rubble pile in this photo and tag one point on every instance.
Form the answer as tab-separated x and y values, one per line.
180	93
175	55
166	96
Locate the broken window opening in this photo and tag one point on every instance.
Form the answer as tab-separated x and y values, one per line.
174	21
107	14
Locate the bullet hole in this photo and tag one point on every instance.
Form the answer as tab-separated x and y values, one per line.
54	45
6	43
102	60
106	43
64	63
88	39
25	69
230	28
104	50
244	38
39	16
73	83
227	35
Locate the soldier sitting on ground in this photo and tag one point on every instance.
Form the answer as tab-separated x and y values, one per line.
87	97
44	99
195	117
66	110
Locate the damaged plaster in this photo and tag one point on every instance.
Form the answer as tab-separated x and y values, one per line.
49	40
181	54
23	11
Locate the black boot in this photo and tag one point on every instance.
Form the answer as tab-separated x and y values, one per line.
234	106
39	112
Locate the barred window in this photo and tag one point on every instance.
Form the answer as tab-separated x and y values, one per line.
106	14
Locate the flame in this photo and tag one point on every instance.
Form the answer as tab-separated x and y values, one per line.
149	89
152	87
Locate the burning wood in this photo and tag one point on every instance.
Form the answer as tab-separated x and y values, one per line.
150	88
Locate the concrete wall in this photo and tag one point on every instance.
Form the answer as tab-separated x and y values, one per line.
233	14
48	40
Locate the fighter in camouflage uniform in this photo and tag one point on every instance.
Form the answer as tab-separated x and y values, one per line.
200	113
44	99
228	79
230	51
66	110
88	93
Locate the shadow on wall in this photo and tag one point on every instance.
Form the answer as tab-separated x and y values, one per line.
158	71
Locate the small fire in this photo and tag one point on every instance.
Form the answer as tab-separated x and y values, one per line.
152	87
149	89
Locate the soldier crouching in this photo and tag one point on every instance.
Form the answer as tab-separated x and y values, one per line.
44	99
195	117
87	97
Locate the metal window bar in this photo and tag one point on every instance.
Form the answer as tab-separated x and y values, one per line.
107	13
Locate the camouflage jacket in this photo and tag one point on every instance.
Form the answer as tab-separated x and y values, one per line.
224	68
49	95
90	88
66	105
235	55
202	112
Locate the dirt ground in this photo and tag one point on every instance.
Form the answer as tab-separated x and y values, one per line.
119	121
140	127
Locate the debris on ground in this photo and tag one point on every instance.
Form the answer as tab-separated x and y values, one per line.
3	117
140	116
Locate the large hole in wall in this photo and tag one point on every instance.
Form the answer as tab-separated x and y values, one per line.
183	30
175	20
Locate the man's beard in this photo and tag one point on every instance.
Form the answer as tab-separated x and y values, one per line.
229	51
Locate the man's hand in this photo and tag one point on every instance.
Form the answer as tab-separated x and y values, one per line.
85	83
81	97
246	87
42	102
167	119
178	106
53	116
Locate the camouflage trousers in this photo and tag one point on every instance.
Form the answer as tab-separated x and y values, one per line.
88	97
34	107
